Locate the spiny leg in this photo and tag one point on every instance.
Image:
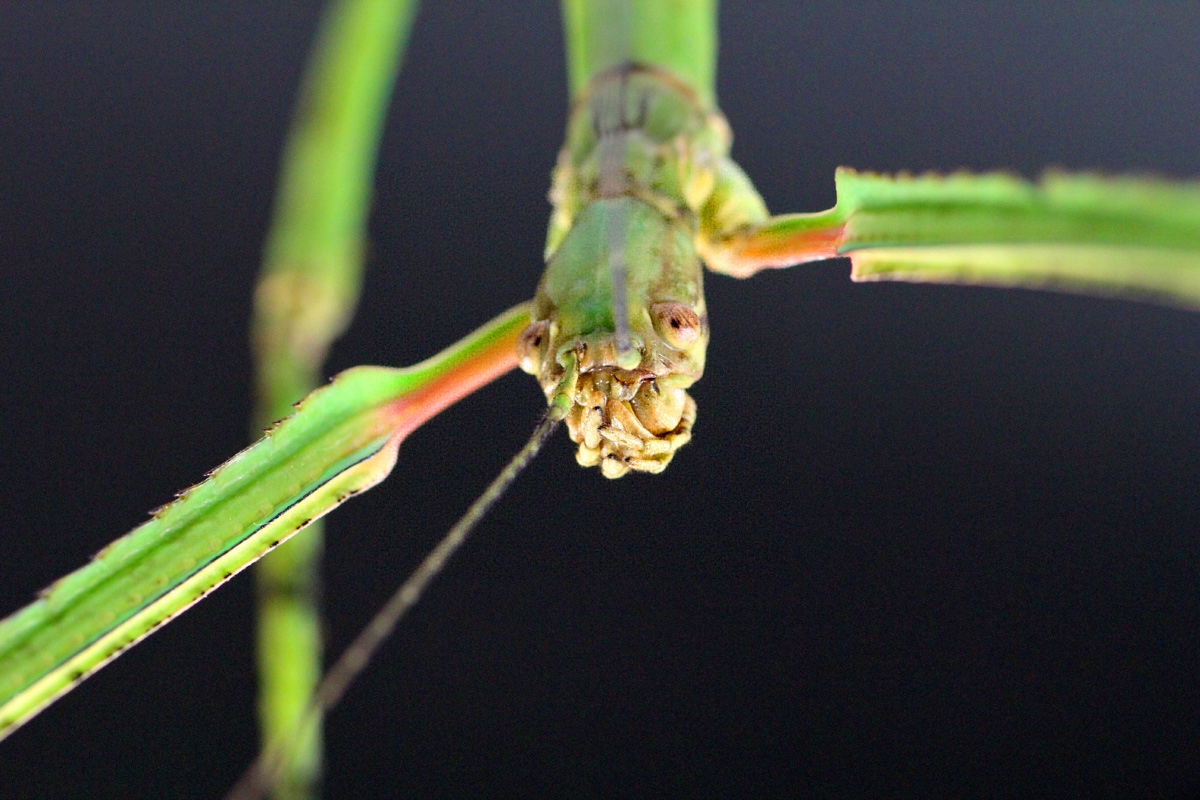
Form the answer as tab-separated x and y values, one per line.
1126	236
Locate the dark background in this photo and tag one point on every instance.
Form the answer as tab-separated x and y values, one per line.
926	542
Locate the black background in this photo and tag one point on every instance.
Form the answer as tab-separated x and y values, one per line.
926	542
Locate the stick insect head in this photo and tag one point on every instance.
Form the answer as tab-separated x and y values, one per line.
630	409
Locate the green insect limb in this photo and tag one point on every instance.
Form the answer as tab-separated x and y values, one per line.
1127	236
342	440
309	286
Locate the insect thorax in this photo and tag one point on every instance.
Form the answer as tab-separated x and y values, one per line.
628	190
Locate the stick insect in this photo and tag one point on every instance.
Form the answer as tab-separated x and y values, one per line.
919	528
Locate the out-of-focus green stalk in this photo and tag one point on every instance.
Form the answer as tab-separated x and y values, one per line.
309	286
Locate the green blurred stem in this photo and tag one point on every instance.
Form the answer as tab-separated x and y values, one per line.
308	288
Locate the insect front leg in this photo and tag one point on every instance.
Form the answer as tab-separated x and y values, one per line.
739	237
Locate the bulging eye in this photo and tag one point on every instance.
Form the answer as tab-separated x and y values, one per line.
677	323
529	346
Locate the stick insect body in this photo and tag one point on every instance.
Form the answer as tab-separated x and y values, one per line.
703	405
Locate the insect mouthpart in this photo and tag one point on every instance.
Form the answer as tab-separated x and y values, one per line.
623	420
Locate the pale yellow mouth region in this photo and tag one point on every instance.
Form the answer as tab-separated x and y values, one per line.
623	426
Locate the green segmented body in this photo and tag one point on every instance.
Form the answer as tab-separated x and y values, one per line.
620	254
636	191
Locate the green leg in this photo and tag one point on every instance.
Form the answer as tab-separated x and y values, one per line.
309	286
290	651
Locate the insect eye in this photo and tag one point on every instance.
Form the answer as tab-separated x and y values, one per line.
678	323
529	345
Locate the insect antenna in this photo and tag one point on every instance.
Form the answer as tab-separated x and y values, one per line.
258	778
